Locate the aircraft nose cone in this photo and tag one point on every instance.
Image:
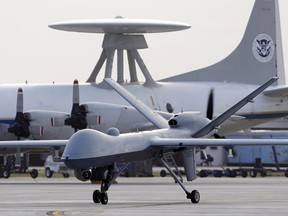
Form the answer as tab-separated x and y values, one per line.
80	147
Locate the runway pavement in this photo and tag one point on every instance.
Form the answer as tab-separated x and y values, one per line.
145	196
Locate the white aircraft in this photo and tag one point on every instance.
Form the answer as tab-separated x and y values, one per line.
257	58
93	154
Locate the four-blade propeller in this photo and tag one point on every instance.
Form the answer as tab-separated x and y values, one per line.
20	127
77	118
24	125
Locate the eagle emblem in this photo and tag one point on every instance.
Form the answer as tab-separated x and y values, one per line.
263	48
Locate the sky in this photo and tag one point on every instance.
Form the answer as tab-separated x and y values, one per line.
31	51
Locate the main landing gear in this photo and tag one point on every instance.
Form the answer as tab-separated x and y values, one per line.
108	177
194	196
109	174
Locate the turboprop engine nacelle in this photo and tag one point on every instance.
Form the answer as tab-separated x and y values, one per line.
37	120
102	116
40	120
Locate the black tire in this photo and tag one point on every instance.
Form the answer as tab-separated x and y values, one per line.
195	196
66	175
263	173
6	173
253	173
233	174
203	173
96	196
163	173
34	173
48	172
244	173
230	173
227	172
217	173
104	198
286	173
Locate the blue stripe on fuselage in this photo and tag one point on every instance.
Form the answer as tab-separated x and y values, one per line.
264	115
7	121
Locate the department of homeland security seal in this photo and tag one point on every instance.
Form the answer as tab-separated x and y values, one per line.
263	48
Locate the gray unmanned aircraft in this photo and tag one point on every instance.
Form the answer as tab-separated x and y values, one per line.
94	154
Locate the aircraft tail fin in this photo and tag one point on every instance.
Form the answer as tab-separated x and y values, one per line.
257	58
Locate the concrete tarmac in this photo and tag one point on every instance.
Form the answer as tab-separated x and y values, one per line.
145	196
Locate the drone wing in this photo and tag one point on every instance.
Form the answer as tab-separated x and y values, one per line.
152	115
33	143
192	142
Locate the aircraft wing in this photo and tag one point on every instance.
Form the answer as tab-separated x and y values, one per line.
193	142
33	143
152	115
279	91
224	116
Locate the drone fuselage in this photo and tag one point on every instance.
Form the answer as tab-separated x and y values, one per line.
90	148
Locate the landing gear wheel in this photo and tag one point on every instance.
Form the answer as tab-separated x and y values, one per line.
104	198
96	196
194	196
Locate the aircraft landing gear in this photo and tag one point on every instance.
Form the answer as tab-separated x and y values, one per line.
102	196
194	196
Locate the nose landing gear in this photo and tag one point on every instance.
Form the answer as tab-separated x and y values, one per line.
101	196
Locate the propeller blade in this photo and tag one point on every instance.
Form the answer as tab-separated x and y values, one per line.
75	107
210	106
19	106
77	119
21	126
